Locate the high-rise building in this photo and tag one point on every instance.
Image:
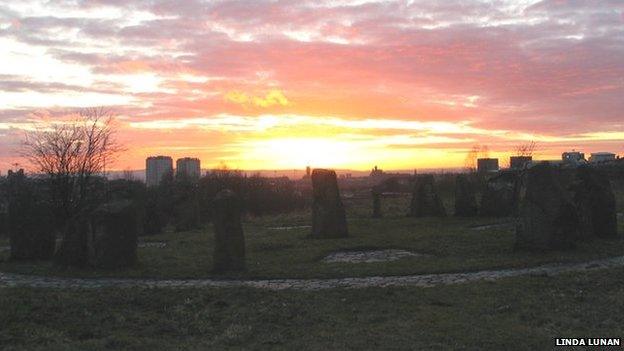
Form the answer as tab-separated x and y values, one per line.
598	157
487	165
157	167
188	166
573	156
519	162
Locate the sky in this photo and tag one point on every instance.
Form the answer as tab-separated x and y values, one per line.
342	84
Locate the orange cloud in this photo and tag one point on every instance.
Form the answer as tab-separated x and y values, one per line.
272	98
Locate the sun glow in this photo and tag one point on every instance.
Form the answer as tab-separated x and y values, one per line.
301	152
331	83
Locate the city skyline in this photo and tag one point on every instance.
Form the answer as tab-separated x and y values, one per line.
348	84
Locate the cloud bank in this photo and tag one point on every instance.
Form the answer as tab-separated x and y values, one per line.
220	77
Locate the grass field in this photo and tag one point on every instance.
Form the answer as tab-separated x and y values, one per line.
453	245
522	313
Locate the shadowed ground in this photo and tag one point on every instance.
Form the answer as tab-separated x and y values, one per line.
453	298
427	280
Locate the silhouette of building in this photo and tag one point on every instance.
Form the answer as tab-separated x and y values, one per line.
189	167
519	162
487	165
18	173
573	156
308	173
376	172
598	157
156	168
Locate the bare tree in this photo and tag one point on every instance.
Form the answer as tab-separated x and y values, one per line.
471	159
526	149
128	174
476	152
72	154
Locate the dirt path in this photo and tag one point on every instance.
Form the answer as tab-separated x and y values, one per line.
427	280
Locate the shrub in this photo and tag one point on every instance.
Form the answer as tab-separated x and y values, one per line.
186	210
259	195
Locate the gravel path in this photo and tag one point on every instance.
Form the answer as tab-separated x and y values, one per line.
156	244
368	256
428	280
290	227
493	226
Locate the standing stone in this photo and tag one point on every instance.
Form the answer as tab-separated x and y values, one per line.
465	197
500	197
74	251
4	221
328	213
155	219
112	239
425	199
4	208
594	198
31	232
548	219
376	193
229	246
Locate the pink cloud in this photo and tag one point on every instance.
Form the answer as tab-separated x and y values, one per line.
554	67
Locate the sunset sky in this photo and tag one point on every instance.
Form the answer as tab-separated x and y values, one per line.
344	84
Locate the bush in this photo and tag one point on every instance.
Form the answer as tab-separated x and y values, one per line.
158	207
259	195
186	210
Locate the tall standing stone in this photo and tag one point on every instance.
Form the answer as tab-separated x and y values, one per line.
328	213
465	197
4	208
376	193
500	197
4	220
547	217
594	198
31	232
74	246
425	199
229	246
155	219
112	239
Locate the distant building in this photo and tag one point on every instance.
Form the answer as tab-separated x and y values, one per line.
487	165
157	167
597	157
519	162
188	166
573	156
18	173
376	172
308	173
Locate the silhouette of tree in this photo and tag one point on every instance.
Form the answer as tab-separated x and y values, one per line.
72	154
476	152
526	149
